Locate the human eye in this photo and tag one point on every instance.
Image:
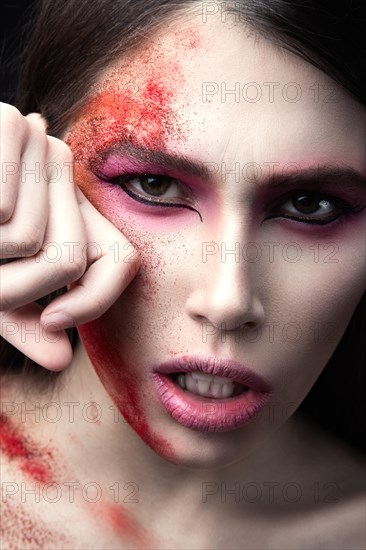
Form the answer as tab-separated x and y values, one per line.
154	190
312	208
151	187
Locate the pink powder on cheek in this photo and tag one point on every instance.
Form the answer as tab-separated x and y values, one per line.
122	382
128	214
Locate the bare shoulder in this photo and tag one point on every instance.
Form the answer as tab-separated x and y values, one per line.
335	472
338	524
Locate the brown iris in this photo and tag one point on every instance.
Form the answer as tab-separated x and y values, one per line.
307	204
155	185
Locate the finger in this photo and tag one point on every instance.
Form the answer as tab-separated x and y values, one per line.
60	260
46	345
37	118
23	234
112	264
13	136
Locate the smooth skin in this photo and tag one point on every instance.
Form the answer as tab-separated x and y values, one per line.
173	294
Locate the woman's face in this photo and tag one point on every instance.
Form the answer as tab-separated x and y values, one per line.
232	168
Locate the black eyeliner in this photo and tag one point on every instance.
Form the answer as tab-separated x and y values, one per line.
335	201
157	203
114	181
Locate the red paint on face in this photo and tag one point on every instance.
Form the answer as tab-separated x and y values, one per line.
145	117
121	380
32	461
136	105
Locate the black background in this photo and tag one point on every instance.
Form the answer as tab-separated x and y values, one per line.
15	16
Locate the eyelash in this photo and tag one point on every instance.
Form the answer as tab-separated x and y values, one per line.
319	197
345	207
122	181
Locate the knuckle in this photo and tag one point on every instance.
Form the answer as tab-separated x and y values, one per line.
6	210
59	150
74	269
11	115
13	124
99	307
37	119
61	272
29	238
38	133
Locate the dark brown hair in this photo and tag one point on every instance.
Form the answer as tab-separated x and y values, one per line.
72	41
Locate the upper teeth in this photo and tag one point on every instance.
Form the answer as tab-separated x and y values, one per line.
206	385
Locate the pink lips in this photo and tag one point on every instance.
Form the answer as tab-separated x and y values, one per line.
204	413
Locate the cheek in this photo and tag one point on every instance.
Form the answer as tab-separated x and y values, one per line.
121	378
118	344
321	300
318	272
311	288
121	346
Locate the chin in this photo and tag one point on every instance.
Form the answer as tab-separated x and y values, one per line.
198	450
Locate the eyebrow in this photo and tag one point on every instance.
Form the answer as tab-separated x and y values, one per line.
168	161
327	174
345	176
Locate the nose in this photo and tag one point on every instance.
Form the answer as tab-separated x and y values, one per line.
226	295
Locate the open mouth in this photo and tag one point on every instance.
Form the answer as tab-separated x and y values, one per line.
208	385
209	394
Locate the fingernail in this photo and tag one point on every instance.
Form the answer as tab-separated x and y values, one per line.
57	321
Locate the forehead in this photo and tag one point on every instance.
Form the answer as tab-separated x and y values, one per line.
209	86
